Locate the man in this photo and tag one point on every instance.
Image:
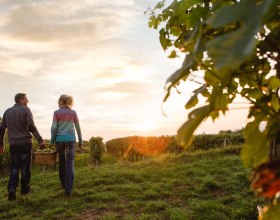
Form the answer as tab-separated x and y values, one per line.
19	122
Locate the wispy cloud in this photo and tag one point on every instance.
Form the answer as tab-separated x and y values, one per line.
65	23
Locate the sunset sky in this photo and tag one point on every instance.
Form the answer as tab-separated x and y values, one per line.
103	54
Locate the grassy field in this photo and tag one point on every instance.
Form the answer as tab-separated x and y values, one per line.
203	185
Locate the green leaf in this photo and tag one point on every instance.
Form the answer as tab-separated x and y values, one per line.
230	13
172	54
255	150
273	125
230	50
218	100
153	22
190	20
221	102
173	80
185	133
183	5
205	93
274	83
252	93
194	100
275	102
214	115
165	42
175	31
210	78
273	213
159	5
181	73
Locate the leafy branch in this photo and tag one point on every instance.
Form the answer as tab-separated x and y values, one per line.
226	40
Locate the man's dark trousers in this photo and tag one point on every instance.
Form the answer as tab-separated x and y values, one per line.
20	155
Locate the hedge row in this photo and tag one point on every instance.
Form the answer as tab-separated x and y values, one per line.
137	147
223	138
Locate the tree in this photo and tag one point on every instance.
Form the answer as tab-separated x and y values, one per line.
96	146
231	49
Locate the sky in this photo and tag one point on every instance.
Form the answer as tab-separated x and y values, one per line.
101	52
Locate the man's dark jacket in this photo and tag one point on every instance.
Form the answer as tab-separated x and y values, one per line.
19	122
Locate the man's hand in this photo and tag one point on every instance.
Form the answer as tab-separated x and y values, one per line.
42	144
2	149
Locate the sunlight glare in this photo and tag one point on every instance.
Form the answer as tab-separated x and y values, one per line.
144	126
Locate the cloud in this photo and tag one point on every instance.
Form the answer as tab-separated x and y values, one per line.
42	35
19	65
66	23
132	87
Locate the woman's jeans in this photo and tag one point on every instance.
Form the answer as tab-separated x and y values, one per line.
66	152
20	155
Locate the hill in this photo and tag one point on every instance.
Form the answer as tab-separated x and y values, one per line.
209	184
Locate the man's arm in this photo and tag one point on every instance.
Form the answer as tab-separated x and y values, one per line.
32	128
35	132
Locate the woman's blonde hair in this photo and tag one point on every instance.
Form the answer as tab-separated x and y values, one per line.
65	100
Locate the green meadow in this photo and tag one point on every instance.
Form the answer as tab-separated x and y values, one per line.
202	185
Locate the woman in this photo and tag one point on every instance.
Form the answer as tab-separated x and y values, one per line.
65	120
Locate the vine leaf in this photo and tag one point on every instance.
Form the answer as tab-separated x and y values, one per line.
194	99
275	102
255	150
172	54
274	82
230	50
185	133
184	71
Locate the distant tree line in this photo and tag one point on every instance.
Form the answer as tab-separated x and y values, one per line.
136	147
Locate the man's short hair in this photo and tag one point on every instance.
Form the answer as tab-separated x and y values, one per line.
19	96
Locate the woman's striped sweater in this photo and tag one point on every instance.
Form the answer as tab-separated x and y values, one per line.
65	120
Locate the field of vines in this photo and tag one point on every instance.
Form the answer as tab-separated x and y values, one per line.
136	147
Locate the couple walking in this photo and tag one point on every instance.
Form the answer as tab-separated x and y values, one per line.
18	120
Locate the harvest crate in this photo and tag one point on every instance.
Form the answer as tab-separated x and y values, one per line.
45	158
